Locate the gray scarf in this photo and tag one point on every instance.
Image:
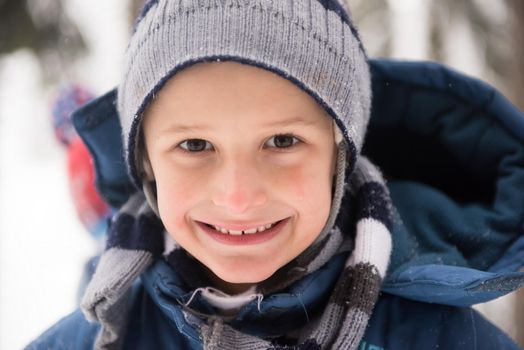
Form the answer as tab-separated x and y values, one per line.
137	239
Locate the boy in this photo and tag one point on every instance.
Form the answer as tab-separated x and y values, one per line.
257	223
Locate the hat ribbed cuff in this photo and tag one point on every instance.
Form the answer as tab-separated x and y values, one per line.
300	40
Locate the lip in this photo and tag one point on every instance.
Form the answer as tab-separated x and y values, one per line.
246	239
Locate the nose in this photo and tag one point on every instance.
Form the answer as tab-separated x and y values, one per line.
239	186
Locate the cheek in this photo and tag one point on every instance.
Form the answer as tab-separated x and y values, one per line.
308	183
297	183
174	199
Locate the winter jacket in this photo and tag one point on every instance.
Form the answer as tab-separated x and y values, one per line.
452	150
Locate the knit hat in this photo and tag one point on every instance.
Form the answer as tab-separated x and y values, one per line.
68	99
312	43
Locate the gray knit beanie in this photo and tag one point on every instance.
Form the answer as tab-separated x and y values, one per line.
312	43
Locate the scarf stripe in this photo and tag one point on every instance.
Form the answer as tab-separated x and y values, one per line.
374	203
136	227
354	284
374	247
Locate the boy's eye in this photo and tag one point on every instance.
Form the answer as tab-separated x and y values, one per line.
195	145
282	141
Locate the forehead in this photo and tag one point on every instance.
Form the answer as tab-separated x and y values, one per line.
226	89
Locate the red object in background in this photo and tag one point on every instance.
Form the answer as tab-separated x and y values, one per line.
91	209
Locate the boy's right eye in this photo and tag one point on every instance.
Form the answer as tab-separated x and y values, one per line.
195	145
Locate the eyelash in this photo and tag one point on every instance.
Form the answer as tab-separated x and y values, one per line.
208	147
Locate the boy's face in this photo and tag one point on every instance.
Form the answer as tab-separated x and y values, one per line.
239	148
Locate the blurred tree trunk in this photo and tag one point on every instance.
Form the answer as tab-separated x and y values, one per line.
45	29
518	39
135	7
518	97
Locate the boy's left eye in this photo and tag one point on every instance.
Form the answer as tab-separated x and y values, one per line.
195	145
282	141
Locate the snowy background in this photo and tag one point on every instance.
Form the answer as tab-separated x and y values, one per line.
42	244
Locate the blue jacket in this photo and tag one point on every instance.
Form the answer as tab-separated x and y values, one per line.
452	149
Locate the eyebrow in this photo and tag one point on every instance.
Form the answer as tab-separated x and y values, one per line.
184	128
293	121
287	122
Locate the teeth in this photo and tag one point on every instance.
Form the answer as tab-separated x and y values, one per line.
247	232
222	230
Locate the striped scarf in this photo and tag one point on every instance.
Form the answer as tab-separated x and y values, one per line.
137	239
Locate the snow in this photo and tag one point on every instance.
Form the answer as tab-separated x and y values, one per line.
42	244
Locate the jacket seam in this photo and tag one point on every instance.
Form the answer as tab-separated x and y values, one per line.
474	328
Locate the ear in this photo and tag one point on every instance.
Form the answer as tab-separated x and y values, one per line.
337	133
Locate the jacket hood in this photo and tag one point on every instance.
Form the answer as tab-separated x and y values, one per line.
452	150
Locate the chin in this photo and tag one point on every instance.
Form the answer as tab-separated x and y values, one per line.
244	277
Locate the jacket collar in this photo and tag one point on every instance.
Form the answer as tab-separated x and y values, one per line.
289	309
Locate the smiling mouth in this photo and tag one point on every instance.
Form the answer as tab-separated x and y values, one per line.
250	231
